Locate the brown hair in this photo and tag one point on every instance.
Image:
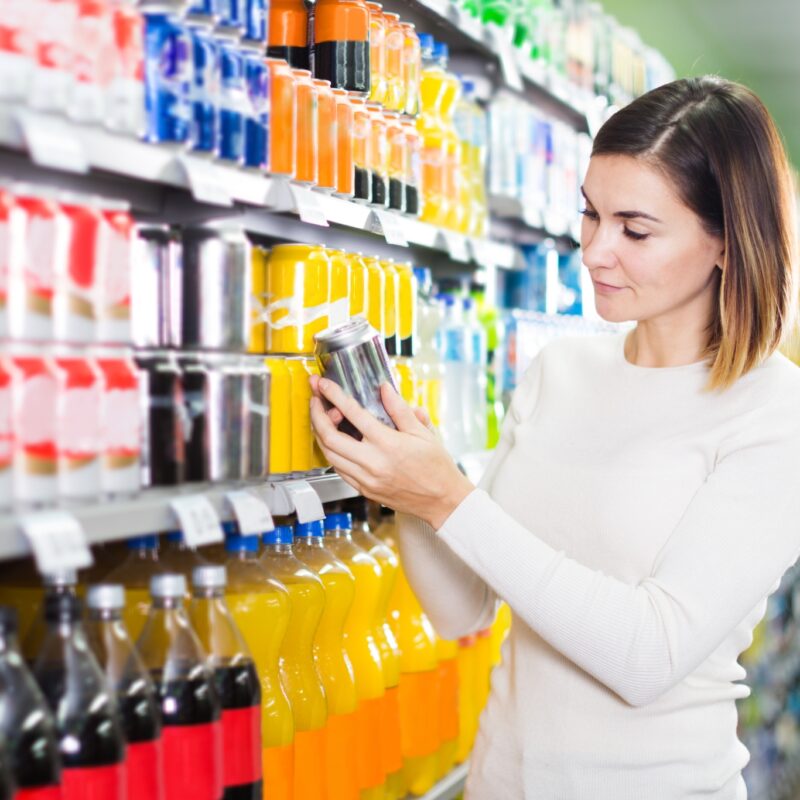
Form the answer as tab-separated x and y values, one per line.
717	143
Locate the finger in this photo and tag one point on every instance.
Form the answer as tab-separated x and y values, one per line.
371	427
401	413
314	381
422	415
332	439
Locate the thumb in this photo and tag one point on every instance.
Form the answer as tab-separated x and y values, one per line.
401	413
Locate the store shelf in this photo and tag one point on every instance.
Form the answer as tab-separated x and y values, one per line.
92	160
450	787
150	511
516	222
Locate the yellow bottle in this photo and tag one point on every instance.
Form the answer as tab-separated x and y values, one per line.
447	652
358	285
419	680
467	706
261	608
332	661
483	661
407	317
280	416
176	556
364	653
429	125
298	670
500	629
134	574
391	304
376	295
391	744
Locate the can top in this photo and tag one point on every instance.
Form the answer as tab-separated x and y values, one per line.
353	332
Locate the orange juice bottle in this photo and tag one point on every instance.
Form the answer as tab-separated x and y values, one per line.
333	663
280	416
288	32
447	652
345	168
377	53
391	306
432	135
376	294
391	744
306	124
298	670
395	74
396	162
379	155
283	100
365	656
326	135
358	285
467	706
419	678
260	605
362	146
134	574
412	65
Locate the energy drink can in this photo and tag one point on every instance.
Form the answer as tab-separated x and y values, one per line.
302	447
396	161
341	51
255	22
126	95
376	295
391	305
231	16
283	107
395	77
204	133
306	123
379	155
407	318
298	288
232	100
326	135
6	434
344	144
256	125
167	76
413	168
258	328
354	357
377	53
288	32
257	414
115	278
12	244
216	288
358	285
340	288
362	159
280	416
412	68
153	252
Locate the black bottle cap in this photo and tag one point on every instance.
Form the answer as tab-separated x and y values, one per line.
62	608
9	620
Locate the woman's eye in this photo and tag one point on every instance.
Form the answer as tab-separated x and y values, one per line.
589	214
637	237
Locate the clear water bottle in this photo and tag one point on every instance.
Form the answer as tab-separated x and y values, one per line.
458	401
477	383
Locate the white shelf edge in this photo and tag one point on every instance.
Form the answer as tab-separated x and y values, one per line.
450	786
149	512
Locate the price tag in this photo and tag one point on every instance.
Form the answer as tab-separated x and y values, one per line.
505	52
206	181
456	246
197	519
251	512
392	227
308	206
305	501
482	252
53	143
57	540
532	216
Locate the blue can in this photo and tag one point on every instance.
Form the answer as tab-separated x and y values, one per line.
255	21
206	9
256	125
232	102
204	134
231	15
167	77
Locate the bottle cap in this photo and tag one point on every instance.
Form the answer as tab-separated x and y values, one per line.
283	534
305	529
234	543
106	595
169	584
67	577
209	576
139	542
339	522
62	608
175	537
9	619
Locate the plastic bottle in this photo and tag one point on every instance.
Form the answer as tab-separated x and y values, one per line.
494	327
391	744
91	740
136	695
236	681
467	706
59	583
428	361
176	556
8	788
361	647
21	588
447	653
261	607
134	573
500	630
483	669
419	682
332	661
190	707
457	412
477	382
25	721
298	670
451	210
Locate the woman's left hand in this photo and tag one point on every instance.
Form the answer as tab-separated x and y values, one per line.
408	470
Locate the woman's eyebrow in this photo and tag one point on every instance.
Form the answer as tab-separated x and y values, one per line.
625	214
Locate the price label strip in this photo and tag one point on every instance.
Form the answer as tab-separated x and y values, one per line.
305	501
251	512
57	541
455	244
308	206
197	519
206	181
52	143
391	226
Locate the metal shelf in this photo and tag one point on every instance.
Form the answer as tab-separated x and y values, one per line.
149	512
154	180
450	786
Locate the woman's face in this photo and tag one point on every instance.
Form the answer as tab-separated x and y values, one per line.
647	253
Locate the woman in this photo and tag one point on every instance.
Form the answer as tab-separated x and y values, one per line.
645	495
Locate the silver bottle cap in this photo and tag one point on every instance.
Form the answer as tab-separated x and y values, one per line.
106	595
169	584
209	576
65	577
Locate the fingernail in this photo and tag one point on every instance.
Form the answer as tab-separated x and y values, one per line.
324	383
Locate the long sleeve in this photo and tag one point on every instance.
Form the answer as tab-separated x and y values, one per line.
456	599
737	536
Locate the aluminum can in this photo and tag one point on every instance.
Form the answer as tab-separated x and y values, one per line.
298	288
205	10
340	288
204	131
17	48
280	416
231	16
257	415
256	20
163	412
354	357
258	260
217	289
391	306
12	241
78	426
54	30
94	58
6	433
167	77
114	279
302	445
126	94
120	423
256	124
232	101
216	424
33	413
153	253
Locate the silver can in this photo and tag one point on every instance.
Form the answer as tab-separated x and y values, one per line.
216	288
353	355
216	425
256	409
155	260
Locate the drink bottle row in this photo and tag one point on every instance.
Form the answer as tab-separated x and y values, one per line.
298	666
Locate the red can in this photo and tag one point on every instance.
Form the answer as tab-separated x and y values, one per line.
120	425
78	430
126	98
114	290
12	238
6	434
34	391
53	77
17	48
93	60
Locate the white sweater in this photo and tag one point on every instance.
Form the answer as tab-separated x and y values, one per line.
635	524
